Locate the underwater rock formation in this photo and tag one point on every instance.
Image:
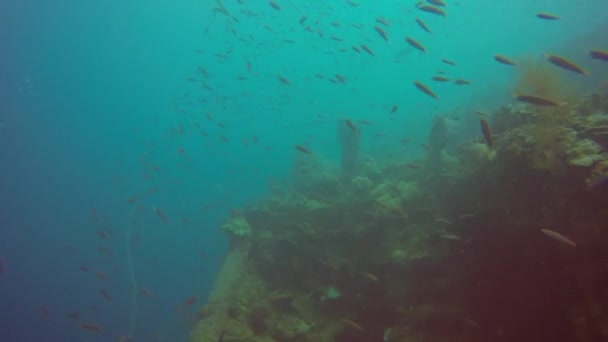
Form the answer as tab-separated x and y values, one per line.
395	254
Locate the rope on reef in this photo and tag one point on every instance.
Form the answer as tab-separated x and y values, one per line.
133	280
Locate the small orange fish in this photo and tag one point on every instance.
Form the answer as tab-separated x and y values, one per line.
536	100
90	327
565	64
447	61
601	55
439	3
381	32
559	237
45	311
146	292
440	79
274	5
443	220
482	114
487	133
160	214
433	10
189	301
352	126
423	88
283	80
382	21
105	295
504	60
367	49
461	81
101	235
415	44
423	25
302	149
100	275
547	16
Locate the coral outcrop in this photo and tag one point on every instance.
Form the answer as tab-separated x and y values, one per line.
450	250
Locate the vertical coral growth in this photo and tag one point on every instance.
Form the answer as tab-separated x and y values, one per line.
350	140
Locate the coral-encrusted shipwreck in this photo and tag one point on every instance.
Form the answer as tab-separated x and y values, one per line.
398	253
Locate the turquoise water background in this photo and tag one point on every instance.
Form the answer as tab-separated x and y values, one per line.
93	95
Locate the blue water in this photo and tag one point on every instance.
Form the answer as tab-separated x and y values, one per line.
93	95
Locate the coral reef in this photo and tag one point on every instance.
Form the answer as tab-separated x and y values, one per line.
452	251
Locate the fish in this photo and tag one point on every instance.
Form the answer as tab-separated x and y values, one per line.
559	237
394	109
189	301
105	295
45	311
440	79
1	265
423	25
302	149
100	275
90	327
439	3
353	325
565	64
370	276
449	237
447	61
487	133
601	55
146	292
536	100
124	338
382	21
423	88
482	114
381	32
352	126
101	234
460	81
547	16
340	78
274	5
413	166
433	10
132	199
415	44
93	215
160	214
104	251
356	49
283	80
504	60
367	49
72	315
